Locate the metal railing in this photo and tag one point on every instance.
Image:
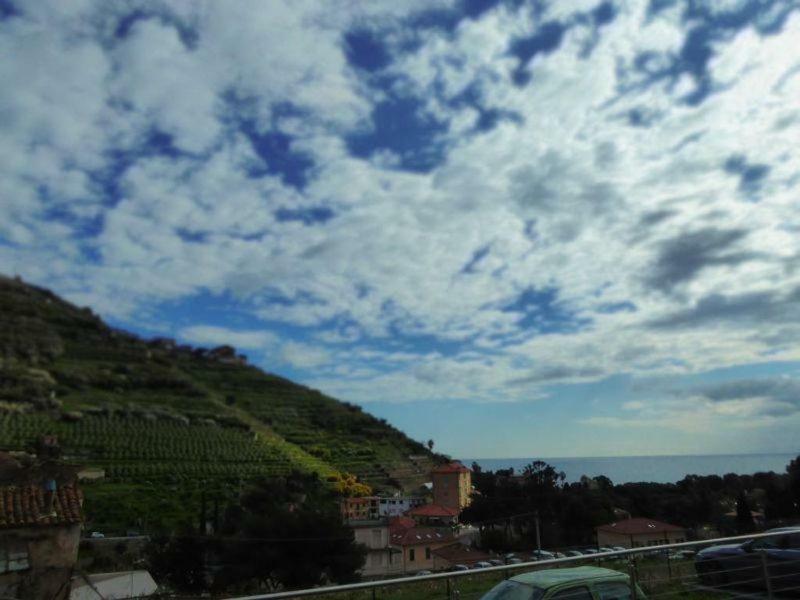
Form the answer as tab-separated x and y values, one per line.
632	556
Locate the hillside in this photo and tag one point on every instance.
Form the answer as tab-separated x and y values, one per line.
169	422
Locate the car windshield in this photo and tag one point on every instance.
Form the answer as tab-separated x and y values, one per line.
514	590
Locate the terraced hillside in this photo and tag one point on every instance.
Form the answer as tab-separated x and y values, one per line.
170	422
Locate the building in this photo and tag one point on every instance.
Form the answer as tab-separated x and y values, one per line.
39	535
382	559
452	485
434	515
417	543
637	532
360	509
368	508
457	554
398	505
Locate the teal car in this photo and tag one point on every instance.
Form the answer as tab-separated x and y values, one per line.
578	583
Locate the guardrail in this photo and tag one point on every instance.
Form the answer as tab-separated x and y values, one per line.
712	581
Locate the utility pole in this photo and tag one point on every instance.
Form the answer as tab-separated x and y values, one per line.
538	536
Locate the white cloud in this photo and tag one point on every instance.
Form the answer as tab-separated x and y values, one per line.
304	355
211	335
567	195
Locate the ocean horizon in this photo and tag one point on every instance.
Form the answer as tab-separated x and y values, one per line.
656	469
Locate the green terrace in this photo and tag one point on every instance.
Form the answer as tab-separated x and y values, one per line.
134	447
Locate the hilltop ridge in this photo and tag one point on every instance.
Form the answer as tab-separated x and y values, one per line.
158	414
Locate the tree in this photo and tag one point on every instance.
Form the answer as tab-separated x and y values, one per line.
347	485
744	516
178	562
286	534
793	470
430	445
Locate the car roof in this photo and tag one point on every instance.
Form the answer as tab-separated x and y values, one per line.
552	577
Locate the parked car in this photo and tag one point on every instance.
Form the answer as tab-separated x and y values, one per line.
531	558
742	564
577	583
482	564
619	548
423	572
97	535
543	554
514	561
574	553
589	550
496	562
459	568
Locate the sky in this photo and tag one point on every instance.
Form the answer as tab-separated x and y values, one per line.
563	228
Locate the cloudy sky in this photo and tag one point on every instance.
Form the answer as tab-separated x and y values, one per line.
555	229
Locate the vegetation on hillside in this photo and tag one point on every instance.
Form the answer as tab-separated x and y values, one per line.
169	421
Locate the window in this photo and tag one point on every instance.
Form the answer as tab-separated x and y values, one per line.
791	542
411	555
513	590
613	590
427	553
574	593
13	556
376	537
766	543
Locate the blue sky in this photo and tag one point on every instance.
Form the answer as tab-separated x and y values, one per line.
518	228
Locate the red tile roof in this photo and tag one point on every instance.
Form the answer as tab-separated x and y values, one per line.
638	526
453	467
459	554
23	506
420	535
433	510
401	524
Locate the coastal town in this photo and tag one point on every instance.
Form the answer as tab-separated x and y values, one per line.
41	529
47	540
423	533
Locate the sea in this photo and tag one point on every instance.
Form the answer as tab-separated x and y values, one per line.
657	469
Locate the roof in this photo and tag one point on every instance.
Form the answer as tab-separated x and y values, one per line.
638	525
23	506
552	577
125	584
419	535
460	554
433	510
453	467
401	523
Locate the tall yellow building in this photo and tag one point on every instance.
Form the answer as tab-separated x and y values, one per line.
452	485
